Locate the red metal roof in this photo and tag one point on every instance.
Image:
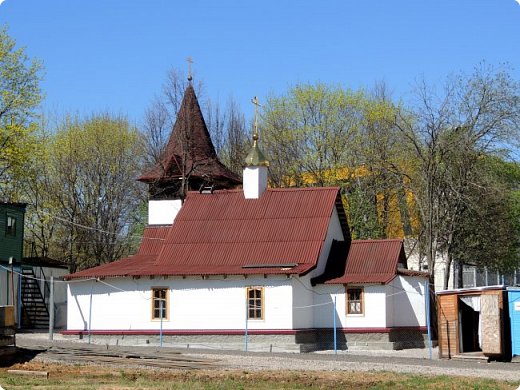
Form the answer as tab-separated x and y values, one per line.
153	240
372	261
225	234
151	244
409	272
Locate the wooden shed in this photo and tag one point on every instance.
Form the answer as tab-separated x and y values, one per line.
474	322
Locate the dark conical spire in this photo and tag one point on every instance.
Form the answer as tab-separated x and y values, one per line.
189	153
190	135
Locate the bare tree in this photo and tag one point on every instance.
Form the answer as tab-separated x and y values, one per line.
237	140
475	115
162	114
216	121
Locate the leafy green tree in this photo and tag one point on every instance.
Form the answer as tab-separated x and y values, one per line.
377	148
323	135
306	133
19	97
488	231
87	198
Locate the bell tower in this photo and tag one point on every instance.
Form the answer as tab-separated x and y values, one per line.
189	163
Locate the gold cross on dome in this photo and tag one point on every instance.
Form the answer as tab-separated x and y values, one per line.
189	60
256	102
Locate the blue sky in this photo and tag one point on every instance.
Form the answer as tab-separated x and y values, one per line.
114	55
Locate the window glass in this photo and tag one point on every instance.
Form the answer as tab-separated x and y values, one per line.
10	229
159	304
255	303
354	301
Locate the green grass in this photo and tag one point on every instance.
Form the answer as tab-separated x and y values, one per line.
71	377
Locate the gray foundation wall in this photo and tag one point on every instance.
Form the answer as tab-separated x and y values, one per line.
302	341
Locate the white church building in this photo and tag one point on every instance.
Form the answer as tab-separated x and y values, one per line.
228	267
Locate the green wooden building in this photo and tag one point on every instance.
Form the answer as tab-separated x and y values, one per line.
27	288
11	247
11	231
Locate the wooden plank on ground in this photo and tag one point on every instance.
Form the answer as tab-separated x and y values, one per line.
29	373
130	357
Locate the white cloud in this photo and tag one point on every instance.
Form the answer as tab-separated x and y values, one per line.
518	1
1	1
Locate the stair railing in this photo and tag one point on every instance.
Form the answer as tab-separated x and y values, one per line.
43	282
38	279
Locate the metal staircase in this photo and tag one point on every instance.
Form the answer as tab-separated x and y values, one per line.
35	313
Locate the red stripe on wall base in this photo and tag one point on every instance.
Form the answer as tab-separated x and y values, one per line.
230	332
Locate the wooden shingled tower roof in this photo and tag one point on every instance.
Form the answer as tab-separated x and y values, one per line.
189	154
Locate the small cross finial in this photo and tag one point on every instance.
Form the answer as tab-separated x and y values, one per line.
189	60
256	102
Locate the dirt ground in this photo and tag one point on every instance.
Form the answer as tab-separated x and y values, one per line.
415	362
72	376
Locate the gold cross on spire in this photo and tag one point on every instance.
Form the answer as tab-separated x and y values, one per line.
189	60
257	104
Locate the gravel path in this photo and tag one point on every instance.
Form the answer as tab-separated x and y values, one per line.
358	362
414	361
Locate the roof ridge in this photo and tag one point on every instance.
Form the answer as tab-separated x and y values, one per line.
378	240
327	188
276	189
159	226
259	217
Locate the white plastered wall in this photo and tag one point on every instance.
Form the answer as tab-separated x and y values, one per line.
303	302
374	315
303	291
60	293
194	304
405	302
334	232
324	305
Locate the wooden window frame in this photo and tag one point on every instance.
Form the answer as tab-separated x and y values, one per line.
167	303
10	229
262	303
361	299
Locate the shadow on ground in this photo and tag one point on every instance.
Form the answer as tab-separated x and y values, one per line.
20	355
